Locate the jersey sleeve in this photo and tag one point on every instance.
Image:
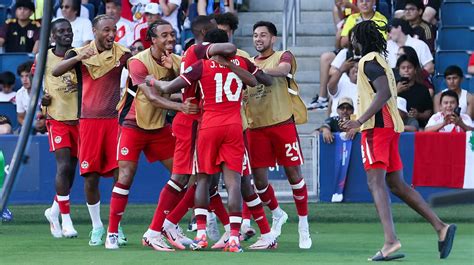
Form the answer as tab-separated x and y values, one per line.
193	73
250	66
373	70
138	72
286	57
202	51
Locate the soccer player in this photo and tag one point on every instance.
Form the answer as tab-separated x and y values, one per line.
99	66
380	123
272	134
143	127
60	104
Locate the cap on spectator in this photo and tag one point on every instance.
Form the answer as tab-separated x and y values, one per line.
25	3
402	104
152	8
345	100
116	2
5	120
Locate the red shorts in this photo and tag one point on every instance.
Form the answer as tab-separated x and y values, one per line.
185	131
98	146
217	145
379	148
62	135
275	144
157	146
246	168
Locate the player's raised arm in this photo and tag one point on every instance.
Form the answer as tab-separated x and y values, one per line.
159	101
167	87
283	68
71	59
225	49
246	77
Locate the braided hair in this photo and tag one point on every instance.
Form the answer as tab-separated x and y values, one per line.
99	18
369	36
150	33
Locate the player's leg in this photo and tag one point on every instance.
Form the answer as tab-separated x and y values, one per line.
216	209
91	190
66	165
201	206
234	204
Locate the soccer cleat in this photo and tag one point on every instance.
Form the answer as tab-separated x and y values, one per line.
172	234
233	247
7	216
96	236
222	241
192	226
278	222
69	232
317	103
305	238
247	232
54	225
183	239
122	239
265	242
158	243
211	229
112	241
199	243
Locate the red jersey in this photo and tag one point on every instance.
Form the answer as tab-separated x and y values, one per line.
221	90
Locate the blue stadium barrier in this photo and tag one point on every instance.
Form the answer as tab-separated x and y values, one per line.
457	14
456	38
8	109
447	58
11	61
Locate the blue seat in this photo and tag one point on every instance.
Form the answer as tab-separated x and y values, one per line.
6	3
8	109
91	9
3	14
456	38
10	61
457	14
447	58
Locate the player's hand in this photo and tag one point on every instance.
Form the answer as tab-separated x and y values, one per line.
46	100
350	124
86	53
221	60
148	79
167	60
328	137
350	134
188	107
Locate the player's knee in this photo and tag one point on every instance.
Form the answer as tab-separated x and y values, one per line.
180	179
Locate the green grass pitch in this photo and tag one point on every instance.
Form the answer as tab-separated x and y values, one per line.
342	234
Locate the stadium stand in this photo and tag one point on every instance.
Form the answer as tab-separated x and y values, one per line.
9	110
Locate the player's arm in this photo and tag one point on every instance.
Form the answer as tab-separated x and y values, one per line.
246	77
225	49
379	81
153	95
72	58
167	87
283	68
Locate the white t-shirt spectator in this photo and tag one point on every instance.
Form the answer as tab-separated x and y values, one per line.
421	48
124	34
340	59
173	17
10	97
84	12
345	88
438	118
22	100
82	29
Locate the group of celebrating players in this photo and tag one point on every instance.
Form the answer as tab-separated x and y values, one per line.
236	117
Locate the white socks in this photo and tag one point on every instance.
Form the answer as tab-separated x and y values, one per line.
94	212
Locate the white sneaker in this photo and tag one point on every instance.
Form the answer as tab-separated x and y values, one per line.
69	232
278	222
157	243
54	225
111	241
305	238
265	242
185	241
247	232
172	234
222	241
336	197
212	230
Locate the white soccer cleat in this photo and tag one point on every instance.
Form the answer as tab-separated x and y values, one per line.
222	241
278	222
305	238
122	238
111	241
172	234
336	197
69	232
157	243
247	232
96	236
54	225
268	241
211	229
183	239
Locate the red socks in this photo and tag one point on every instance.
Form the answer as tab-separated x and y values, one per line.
245	211
300	195
118	202
63	203
268	197
256	208
201	218
170	196
183	206
216	206
235	223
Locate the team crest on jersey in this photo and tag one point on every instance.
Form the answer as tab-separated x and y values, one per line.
84	164
189	69
30	33
58	139
124	151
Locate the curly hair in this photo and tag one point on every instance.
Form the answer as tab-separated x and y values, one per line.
369	36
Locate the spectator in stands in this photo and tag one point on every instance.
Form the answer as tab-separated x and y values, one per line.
320	101
345	108
400	35
430	13
341	11
410	52
411	124
229	23
83	11
453	75
124	35
81	27
152	14
449	118
207	7
134	10
343	84
170	9
136	47
419	103
424	30
21	34
5	126
7	79
470	67
23	94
